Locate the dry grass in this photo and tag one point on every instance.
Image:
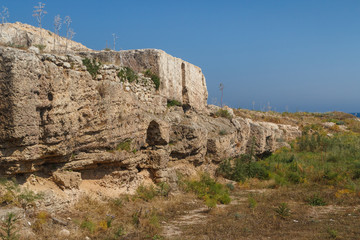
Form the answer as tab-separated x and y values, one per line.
240	221
252	214
302	119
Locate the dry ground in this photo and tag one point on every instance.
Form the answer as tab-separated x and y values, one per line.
252	214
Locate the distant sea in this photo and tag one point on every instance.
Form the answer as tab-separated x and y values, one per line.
356	114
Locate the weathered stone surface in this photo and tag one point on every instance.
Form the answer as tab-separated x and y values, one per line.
179	80
23	36
67	180
54	116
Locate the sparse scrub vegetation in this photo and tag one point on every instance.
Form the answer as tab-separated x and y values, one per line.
92	67
223	113
127	74
209	190
222	132
12	194
172	103
41	47
314	159
316	200
282	210
155	78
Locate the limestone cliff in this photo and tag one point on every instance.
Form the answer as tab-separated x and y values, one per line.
54	115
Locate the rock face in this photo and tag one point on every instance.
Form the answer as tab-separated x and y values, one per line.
24	36
55	116
180	80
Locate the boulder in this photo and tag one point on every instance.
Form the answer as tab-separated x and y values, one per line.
67	179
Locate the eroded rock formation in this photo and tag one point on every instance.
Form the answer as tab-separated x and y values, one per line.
55	116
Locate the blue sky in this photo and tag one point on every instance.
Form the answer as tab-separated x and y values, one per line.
296	55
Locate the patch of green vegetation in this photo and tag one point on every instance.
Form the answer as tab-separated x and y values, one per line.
314	158
41	47
124	146
316	200
88	225
282	210
147	193
92	67
29	196
222	132
14	195
332	233
172	103
127	74
223	113
252	202
155	78
240	169
209	190
22	47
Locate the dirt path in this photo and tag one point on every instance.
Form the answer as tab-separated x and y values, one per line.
193	217
198	216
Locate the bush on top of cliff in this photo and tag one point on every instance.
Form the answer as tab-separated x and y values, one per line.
155	78
127	74
92	67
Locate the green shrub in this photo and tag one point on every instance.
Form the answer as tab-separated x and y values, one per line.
332	233
209	190
41	47
127	74
230	186
223	113
92	67
88	225
163	189
294	177
155	78
29	196
171	103
222	132
146	193
243	168
282	210
124	146
316	200
252	201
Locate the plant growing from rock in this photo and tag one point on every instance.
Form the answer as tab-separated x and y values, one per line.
127	74
155	78
171	103
223	113
41	47
92	66
222	132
